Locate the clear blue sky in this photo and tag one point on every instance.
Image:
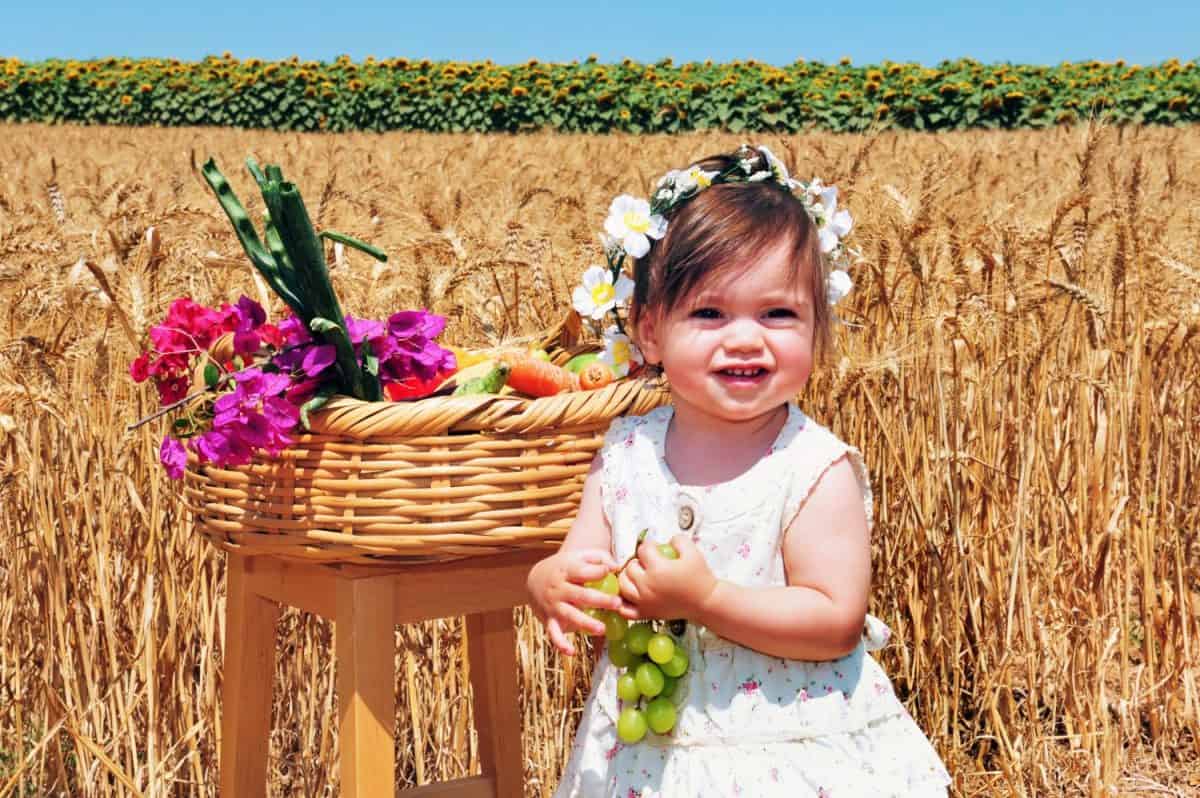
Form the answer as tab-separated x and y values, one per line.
1029	31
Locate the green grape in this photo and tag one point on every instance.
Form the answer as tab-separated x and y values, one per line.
631	725
650	679
660	715
677	665
669	685
619	654
595	612
638	637
668	551
608	584
627	688
614	626
661	648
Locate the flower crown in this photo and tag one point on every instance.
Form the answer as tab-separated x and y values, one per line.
632	222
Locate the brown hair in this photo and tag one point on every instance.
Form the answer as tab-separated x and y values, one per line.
722	226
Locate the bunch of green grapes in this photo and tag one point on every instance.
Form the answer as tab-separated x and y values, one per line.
650	662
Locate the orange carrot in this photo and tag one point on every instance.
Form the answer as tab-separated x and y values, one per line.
535	377
595	375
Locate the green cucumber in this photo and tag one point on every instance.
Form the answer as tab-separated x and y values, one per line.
491	382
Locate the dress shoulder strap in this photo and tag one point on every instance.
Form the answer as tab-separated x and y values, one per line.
810	456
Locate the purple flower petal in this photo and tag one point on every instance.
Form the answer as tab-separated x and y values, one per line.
302	391
294	332
246	343
252	313
360	330
281	413
212	446
404	323
173	457
318	359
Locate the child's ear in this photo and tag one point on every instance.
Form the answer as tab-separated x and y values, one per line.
646	333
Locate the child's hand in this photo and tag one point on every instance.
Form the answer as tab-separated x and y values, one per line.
557	593
659	587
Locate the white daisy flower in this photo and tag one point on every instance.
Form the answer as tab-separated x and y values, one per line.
629	220
833	224
598	295
758	177
693	178
837	285
619	352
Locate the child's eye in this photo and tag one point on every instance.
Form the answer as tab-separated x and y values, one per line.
706	313
781	312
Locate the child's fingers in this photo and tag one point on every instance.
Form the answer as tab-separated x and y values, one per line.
629	580
684	543
560	640
587	571
648	554
629	612
600	557
590	597
574	618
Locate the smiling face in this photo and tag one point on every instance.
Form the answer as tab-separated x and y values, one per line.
741	344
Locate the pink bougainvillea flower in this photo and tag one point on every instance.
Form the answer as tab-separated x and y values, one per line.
173	457
139	369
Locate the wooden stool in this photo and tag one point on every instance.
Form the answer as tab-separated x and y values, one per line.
366	603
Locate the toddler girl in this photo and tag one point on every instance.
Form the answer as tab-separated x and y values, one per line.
768	511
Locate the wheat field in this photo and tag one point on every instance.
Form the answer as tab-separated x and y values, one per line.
1020	364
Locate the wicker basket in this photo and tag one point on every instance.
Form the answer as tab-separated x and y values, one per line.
438	479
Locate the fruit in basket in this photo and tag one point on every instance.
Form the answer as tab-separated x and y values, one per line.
413	387
595	375
491	382
535	377
469	357
577	363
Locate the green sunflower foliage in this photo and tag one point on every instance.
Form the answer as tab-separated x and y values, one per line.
590	97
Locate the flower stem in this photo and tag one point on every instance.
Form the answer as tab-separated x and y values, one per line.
162	411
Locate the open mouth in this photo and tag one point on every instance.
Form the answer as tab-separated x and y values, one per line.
742	375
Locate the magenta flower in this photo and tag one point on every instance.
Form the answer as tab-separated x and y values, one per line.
250	316
253	416
173	457
412	333
318	358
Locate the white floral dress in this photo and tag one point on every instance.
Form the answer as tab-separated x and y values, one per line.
748	724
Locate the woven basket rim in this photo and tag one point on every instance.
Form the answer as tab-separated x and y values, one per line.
358	419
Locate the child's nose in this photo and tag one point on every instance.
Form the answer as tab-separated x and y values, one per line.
743	334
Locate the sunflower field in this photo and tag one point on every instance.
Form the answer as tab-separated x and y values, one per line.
590	97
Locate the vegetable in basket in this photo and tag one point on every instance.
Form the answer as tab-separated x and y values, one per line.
276	374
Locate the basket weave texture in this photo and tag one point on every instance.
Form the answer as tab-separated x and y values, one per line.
438	479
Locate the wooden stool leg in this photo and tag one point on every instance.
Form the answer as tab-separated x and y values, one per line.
246	687
364	636
492	649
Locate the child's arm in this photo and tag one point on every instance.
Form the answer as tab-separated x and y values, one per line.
555	584
818	616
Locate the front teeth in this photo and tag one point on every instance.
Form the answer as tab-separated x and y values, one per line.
742	372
